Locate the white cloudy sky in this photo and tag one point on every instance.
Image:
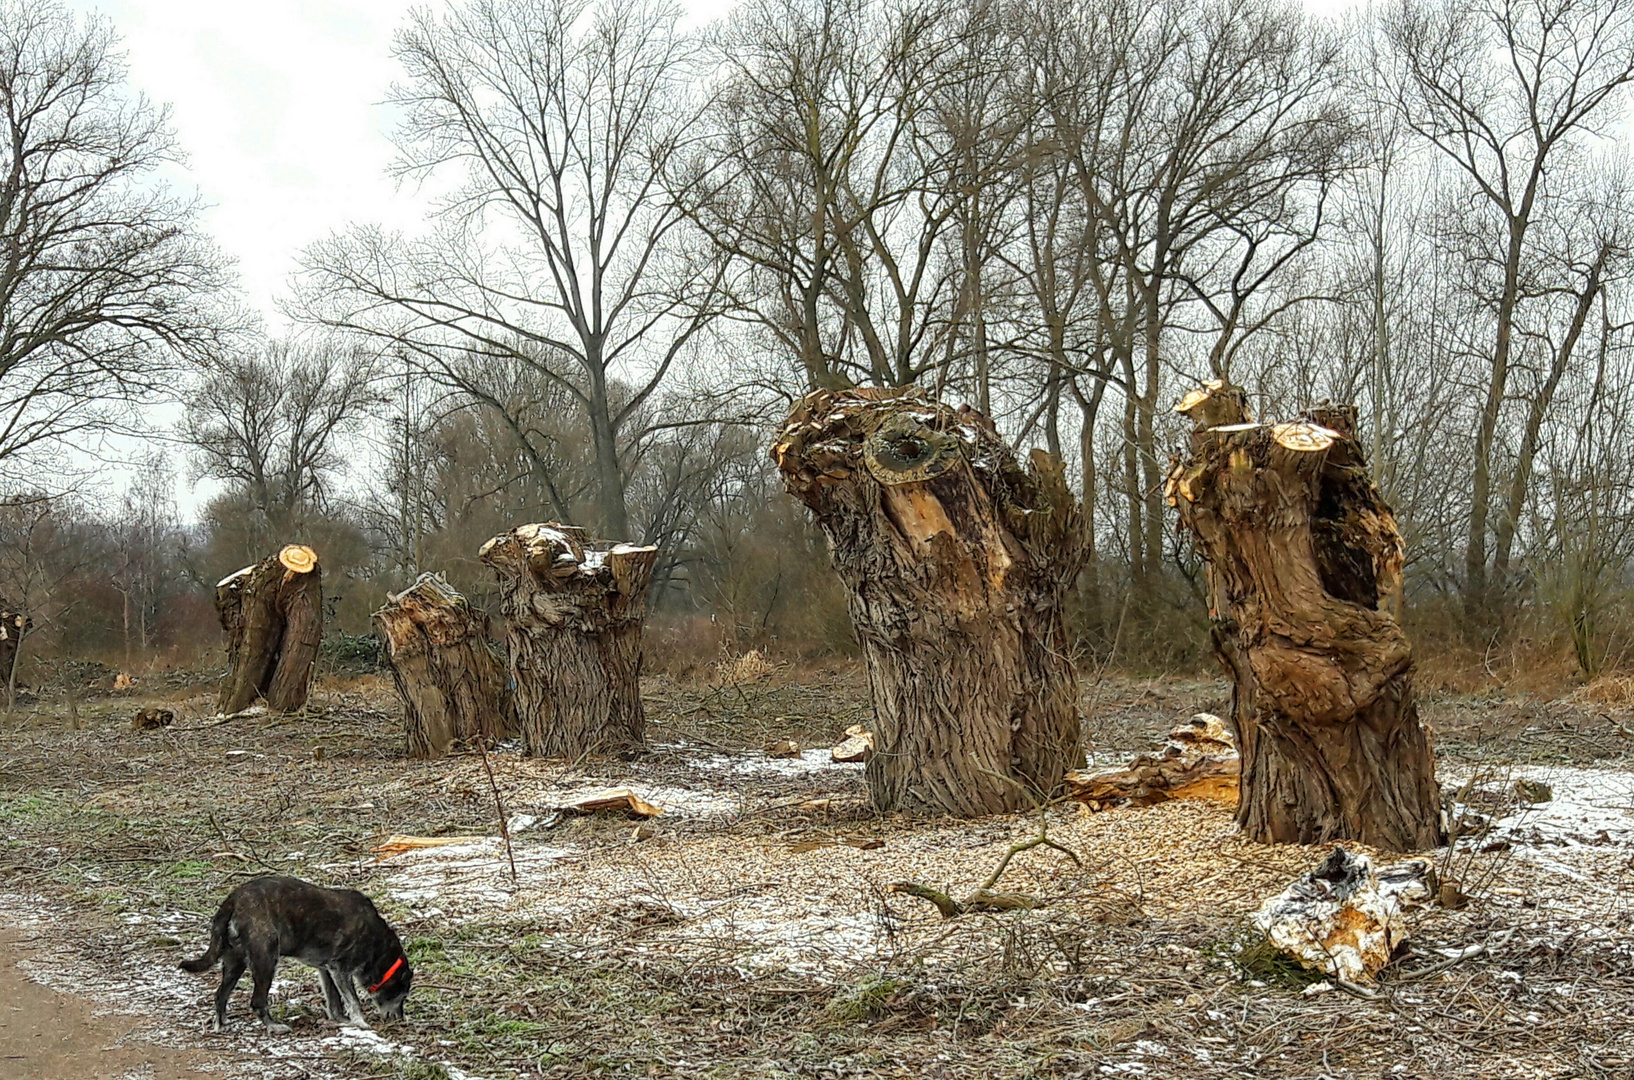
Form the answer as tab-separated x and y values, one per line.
278	107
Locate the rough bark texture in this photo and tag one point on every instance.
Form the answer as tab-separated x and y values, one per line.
450	677
575	611
957	559
1304	566
272	613
14	627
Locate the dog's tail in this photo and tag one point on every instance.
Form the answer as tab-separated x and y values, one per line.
218	935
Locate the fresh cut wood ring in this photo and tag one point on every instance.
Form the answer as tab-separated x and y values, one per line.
298	558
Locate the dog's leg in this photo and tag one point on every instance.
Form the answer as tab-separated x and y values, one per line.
333	1006
263	964
354	1007
232	969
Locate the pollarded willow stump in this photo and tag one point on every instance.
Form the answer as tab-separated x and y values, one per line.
575	611
14	627
272	613
451	680
1304	567
957	560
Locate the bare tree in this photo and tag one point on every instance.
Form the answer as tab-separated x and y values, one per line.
1205	136
104	279
1509	92
855	157
146	534
270	425
45	545
559	249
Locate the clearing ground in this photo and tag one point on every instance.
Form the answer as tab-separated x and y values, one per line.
754	934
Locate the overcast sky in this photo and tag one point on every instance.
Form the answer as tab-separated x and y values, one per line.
277	105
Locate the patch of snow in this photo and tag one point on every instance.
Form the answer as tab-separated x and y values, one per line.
809	761
1591	807
810	944
474	874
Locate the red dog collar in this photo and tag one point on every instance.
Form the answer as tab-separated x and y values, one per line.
386	978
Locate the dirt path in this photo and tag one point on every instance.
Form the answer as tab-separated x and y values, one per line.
45	1035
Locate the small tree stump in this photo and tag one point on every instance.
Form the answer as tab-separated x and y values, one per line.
451	680
957	560
1304	567
574	611
14	627
272	613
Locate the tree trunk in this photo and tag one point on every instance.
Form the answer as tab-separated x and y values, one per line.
957	561
575	612
451	680
1304	566
272	613
14	628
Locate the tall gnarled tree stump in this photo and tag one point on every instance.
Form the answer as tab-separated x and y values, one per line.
575	611
957	559
451	680
272	613
1304	567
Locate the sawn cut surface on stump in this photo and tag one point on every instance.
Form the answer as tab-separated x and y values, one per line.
575	611
1304	568
272	613
956	558
450	677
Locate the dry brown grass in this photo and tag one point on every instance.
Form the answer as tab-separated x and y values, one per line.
1608	690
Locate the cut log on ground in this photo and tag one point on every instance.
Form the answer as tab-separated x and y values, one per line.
272	613
1304	568
574	611
1344	919
1199	762
450	677
613	800
956	559
857	745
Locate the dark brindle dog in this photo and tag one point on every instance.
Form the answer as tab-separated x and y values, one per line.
337	931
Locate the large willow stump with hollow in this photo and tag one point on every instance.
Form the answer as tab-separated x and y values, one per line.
575	611
1304	567
957	559
272	613
446	669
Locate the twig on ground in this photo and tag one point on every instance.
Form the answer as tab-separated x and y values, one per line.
504	827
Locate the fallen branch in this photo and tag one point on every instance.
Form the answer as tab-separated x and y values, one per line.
1458	956
983	897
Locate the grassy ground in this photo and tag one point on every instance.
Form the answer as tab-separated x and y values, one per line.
648	959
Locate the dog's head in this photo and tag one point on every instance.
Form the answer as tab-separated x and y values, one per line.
392	991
